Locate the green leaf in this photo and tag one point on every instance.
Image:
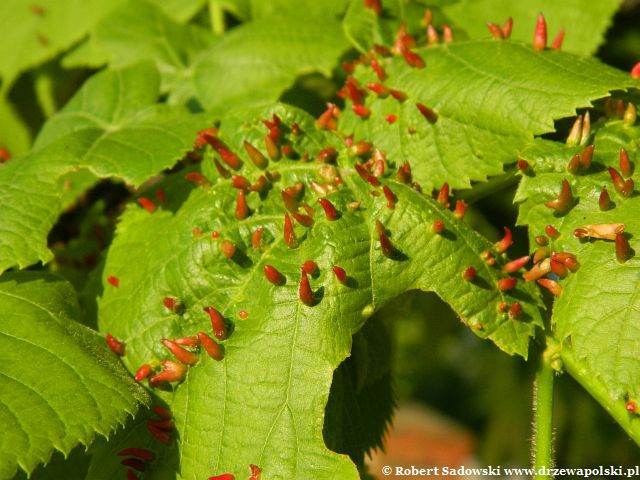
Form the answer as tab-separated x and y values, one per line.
585	23
264	404
595	316
14	132
78	388
33	33
255	62
113	128
140	31
490	99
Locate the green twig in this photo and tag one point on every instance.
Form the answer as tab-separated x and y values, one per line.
216	14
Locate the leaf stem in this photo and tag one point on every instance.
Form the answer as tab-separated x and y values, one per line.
543	418
216	14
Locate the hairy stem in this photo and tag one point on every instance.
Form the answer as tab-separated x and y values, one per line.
543	418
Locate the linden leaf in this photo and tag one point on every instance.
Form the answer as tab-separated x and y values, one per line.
595	317
79	388
488	98
111	127
264	403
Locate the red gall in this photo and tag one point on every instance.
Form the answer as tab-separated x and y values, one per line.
523	165
635	71
586	156
255	472
551	232
623	249
256	156
586	129
542	240
447	34
272	148
495	30
147	204
461	209
171	372
304	290
310	267
242	209
224	173
427	113
224	476
210	346
625	164
115	345
539	270
432	35
182	355
438	227
162	412
329	209
515	265
505	242
134	463
412	58
575	134
159	434
507	27
385	243
302	219
515	310
469	274
190	341
557	42
623	187
327	155
218	325
540	34
379	89
631	407
563	203
141	453
443	195
273	275
554	288
340	274
377	68
558	268
143	372
227	248
361	110
508	283
289	233
540	254
113	281
256	237
197	179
